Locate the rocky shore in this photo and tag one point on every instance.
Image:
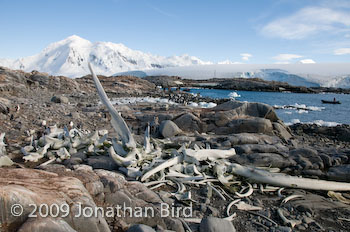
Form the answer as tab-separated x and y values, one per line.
201	149
245	84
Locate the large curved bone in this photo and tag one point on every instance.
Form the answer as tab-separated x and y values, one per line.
117	121
164	165
210	154
283	180
121	161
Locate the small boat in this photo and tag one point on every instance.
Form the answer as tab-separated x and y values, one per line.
186	89
330	102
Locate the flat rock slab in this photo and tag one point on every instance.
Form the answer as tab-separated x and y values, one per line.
29	186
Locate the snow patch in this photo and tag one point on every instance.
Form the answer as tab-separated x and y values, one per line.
233	95
203	104
317	122
135	100
299	107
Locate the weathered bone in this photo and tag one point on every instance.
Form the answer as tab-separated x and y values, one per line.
283	180
147	144
287	221
211	154
291	197
164	165
246	194
5	161
122	161
117	121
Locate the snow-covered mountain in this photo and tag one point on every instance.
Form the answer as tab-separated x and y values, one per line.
69	57
284	76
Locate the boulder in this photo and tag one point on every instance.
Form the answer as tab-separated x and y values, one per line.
42	78
60	99
230	110
46	224
213	224
251	138
251	125
339	173
140	228
307	158
4	106
120	192
169	129
188	122
282	131
30	186
102	162
264	160
260	148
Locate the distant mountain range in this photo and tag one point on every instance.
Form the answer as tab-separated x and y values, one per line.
298	74
69	57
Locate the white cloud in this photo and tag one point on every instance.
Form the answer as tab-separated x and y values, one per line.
308	21
342	51
246	56
282	62
307	61
283	58
229	62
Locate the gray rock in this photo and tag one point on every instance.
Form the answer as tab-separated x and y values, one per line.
251	125
339	173
46	224
112	181
251	138
102	162
4	105
118	198
189	122
283	229
230	110
212	224
69	163
169	129
42	78
307	158
75	115
49	187
139	190
94	188
265	159
60	99
140	228
257	148
282	131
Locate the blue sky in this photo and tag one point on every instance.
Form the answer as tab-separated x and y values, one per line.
250	31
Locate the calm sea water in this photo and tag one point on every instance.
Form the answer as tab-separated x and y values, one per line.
310	108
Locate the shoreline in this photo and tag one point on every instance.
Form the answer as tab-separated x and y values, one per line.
245	84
